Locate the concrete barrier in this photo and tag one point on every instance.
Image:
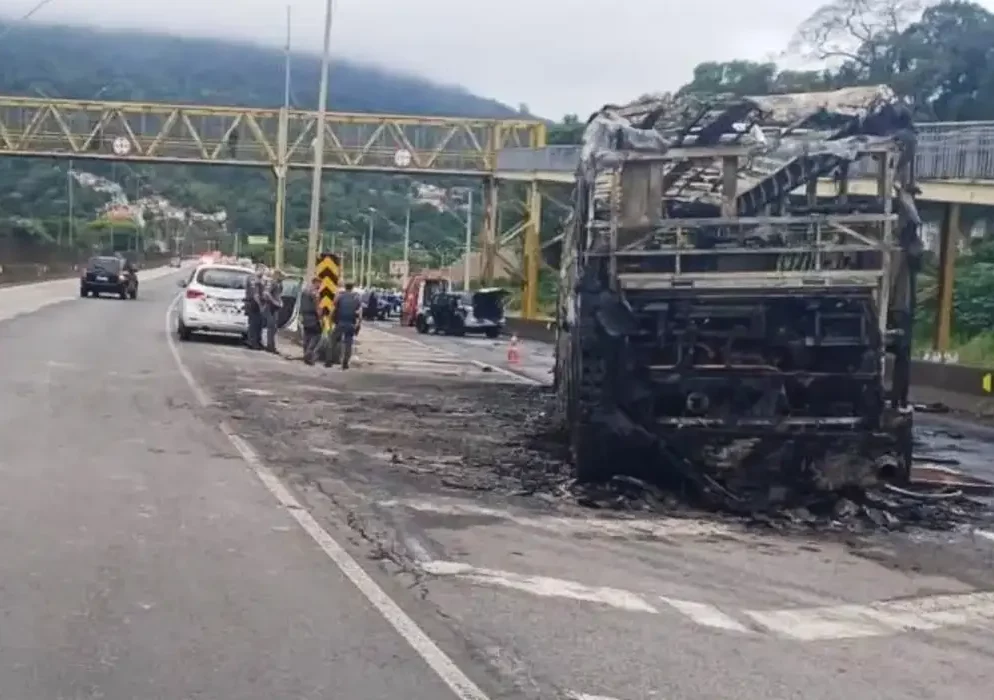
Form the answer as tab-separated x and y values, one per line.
29	273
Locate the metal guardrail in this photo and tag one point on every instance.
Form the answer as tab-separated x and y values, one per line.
946	151
966	382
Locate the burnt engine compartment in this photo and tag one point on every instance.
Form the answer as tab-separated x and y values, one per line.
747	386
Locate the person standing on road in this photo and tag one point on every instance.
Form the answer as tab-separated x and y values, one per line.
272	302
346	316
310	319
253	309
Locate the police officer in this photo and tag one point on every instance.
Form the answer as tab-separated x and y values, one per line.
272	302
310	319
253	309
346	316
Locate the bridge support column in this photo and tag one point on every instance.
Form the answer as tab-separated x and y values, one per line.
532	252
948	241
280	217
279	245
488	233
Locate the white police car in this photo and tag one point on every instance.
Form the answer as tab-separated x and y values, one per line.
213	301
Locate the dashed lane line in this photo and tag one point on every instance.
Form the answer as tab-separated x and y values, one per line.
989	536
879	618
543	586
659	528
706	615
436	659
835	622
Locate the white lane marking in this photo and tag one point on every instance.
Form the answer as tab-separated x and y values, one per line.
587	696
851	621
482	365
706	615
985	534
255	392
880	618
608	527
325	451
543	586
408	629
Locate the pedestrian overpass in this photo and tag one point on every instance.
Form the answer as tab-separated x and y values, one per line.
955	161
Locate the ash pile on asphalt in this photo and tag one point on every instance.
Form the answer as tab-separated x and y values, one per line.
536	462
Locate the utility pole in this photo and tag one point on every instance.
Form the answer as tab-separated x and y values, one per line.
353	261
315	222
469	240
369	254
279	242
407	248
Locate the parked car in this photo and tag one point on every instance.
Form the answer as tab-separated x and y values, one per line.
214	301
459	313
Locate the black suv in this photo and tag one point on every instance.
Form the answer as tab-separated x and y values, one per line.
458	313
109	274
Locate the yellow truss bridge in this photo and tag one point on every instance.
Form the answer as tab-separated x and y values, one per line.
161	133
283	140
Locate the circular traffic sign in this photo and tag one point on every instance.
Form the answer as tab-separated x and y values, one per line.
402	158
121	146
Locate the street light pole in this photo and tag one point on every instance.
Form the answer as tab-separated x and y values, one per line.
407	249
362	260
469	240
353	261
315	222
280	168
72	203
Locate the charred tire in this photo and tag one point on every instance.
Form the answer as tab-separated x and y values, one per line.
584	391
421	324
458	327
183	332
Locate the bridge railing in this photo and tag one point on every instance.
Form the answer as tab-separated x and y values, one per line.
946	151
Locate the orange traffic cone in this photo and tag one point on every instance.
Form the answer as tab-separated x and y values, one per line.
513	356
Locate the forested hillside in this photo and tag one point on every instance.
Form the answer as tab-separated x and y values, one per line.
83	64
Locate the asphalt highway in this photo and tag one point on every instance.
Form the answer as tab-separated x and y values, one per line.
195	520
141	557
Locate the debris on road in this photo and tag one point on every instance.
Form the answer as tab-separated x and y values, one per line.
421	434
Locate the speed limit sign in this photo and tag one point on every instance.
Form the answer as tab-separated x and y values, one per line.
121	146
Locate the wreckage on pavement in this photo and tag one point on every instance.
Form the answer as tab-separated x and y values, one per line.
723	321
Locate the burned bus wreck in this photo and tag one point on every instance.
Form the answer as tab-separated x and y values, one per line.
722	318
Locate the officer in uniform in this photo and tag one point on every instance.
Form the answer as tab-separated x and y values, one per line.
310	319
253	309
272	302
346	316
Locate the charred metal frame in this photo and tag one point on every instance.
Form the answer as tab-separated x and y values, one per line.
752	343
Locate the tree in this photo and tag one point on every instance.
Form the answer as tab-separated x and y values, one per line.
568	132
860	32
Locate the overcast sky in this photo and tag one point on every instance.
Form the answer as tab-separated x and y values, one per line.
556	56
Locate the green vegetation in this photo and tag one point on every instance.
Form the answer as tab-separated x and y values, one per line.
83	64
